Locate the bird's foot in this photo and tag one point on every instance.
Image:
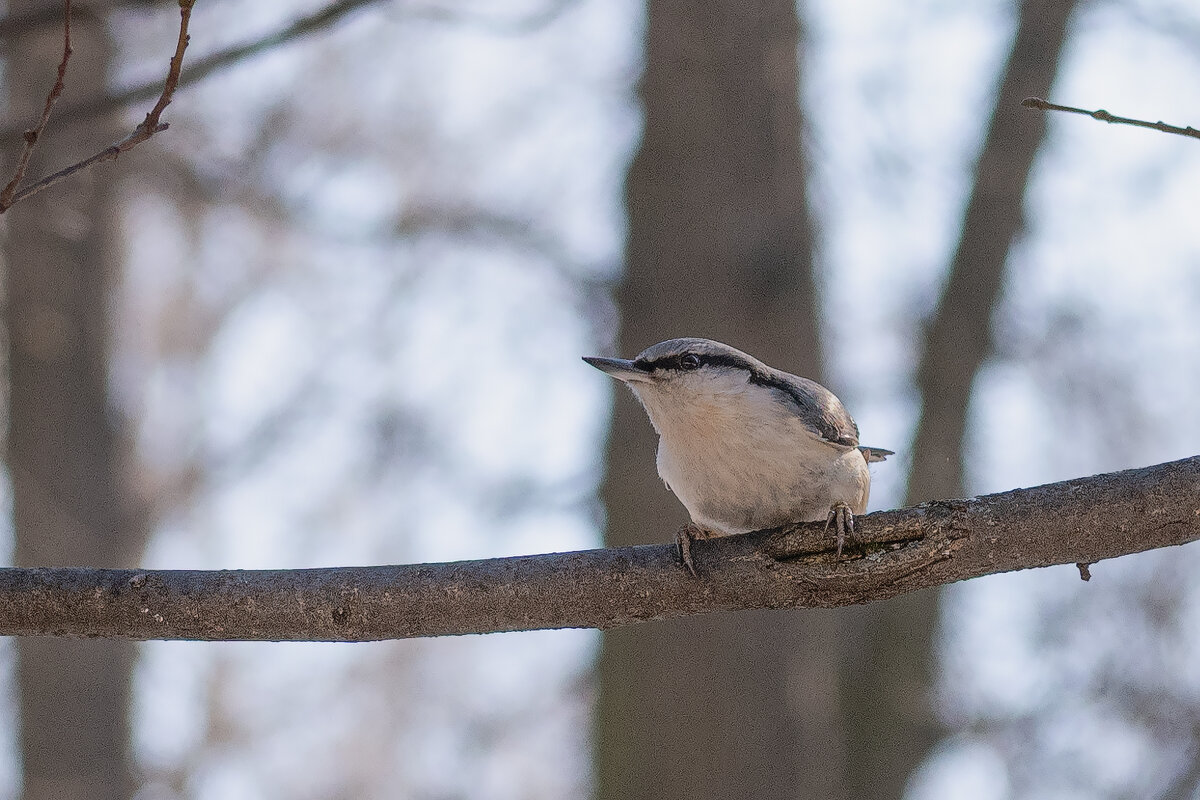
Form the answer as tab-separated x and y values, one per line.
843	520
683	542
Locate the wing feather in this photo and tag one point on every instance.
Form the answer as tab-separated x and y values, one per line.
815	405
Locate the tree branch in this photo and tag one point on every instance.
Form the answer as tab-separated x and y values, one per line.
32	135
1078	521
147	128
1104	116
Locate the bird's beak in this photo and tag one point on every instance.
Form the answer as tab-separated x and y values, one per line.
620	368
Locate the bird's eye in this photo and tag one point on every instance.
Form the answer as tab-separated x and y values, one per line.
689	361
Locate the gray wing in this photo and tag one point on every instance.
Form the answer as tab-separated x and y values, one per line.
818	407
825	413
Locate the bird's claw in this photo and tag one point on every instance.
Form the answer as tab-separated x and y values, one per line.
843	519
683	543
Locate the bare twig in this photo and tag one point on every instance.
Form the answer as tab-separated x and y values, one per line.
147	128
1104	116
32	135
1079	521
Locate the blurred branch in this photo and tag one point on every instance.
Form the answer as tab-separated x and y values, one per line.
1104	116
32	135
313	23
1184	784
467	222
13	25
1078	521
202	68
495	25
147	128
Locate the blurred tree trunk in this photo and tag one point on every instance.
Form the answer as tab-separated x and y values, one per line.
957	342
766	704
958	339
59	253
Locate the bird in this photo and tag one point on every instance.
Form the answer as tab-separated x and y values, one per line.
744	446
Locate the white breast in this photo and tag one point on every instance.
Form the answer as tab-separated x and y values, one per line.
737	464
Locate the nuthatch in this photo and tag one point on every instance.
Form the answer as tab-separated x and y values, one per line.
743	446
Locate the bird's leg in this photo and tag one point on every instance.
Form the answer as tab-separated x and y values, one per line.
843	519
683	541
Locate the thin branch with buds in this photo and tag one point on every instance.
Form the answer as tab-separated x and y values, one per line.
32	135
147	128
1103	116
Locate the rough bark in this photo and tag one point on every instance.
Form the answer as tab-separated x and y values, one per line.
720	245
61	448
1079	521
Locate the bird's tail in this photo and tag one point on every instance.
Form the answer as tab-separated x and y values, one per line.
873	454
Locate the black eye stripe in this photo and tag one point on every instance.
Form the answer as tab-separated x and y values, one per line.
728	361
672	362
676	362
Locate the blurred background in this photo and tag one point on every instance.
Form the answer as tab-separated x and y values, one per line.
334	316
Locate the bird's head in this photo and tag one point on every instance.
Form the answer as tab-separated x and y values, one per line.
685	376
